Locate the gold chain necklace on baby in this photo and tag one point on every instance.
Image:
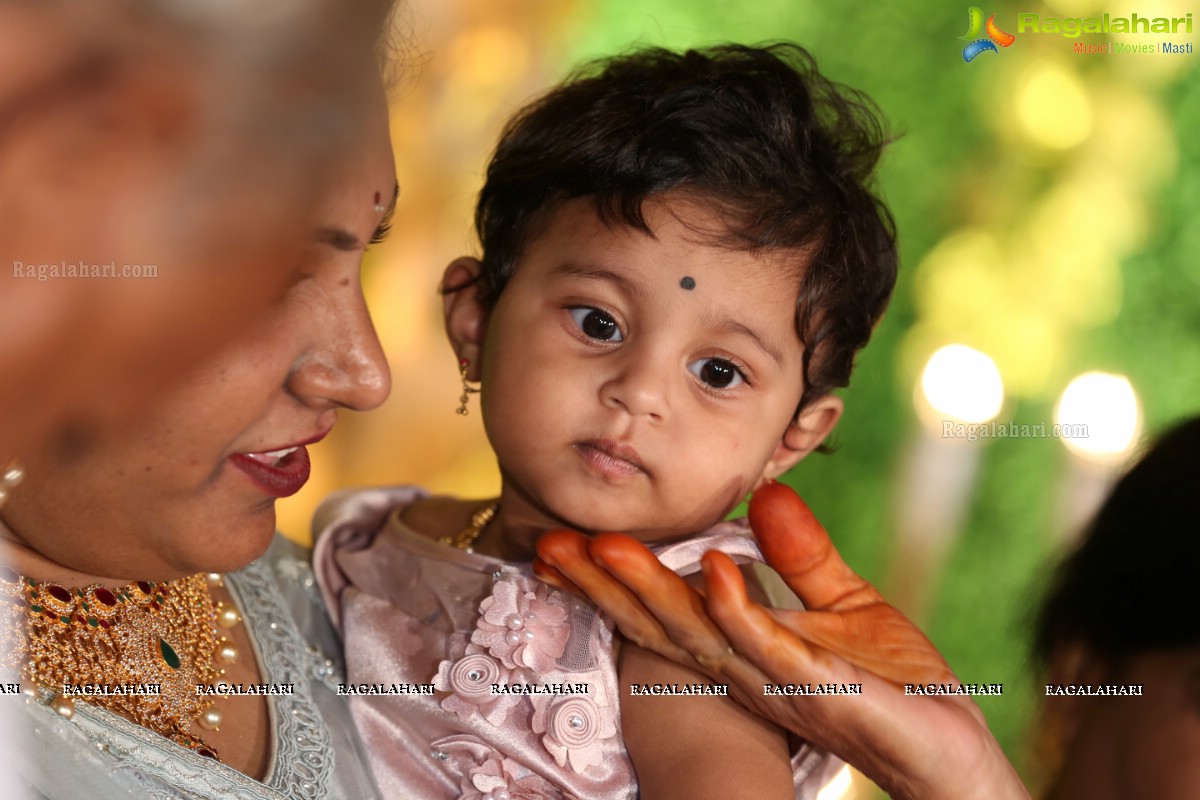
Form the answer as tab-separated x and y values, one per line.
465	539
139	651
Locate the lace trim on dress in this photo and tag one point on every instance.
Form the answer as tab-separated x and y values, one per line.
327	668
304	751
163	769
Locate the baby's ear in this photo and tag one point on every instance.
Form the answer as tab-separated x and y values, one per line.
804	435
466	313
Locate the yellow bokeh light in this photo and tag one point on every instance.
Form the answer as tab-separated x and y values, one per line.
960	279
1052	106
963	384
488	56
1069	269
1103	414
1026	343
1133	138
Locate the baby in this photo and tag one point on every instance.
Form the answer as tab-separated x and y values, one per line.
681	257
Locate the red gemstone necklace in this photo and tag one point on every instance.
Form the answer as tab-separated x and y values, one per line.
140	650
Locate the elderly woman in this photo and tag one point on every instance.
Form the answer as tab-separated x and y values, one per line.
115	544
156	160
135	141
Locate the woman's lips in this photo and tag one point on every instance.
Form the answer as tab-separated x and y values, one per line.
611	459
280	473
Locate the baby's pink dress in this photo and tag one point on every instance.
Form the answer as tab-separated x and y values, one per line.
413	611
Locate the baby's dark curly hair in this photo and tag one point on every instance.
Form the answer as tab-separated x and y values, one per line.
784	154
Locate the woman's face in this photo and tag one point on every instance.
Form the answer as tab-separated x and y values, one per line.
151	174
191	486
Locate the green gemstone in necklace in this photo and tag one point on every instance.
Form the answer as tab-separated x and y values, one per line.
168	653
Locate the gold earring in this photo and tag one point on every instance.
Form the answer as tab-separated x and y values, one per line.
468	389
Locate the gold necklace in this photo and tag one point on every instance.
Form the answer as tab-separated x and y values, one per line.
139	651
465	538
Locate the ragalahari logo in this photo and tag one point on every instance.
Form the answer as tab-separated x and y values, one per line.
978	43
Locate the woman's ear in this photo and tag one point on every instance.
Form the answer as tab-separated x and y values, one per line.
804	435
466	314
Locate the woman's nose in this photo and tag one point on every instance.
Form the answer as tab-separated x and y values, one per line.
346	366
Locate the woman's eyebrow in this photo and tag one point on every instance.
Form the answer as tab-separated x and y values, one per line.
385	225
341	239
338	239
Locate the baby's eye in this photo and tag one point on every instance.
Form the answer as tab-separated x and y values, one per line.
717	373
595	324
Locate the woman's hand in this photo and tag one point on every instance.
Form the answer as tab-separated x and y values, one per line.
914	746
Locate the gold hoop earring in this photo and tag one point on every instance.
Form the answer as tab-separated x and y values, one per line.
468	389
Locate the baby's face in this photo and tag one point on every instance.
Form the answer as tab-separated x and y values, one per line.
640	383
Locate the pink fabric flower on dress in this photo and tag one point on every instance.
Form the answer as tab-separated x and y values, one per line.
575	728
500	778
523	627
469	680
489	775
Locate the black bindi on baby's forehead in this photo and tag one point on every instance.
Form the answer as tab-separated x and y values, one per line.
687	282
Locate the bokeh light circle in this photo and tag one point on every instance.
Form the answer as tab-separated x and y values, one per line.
963	383
1052	106
1100	416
